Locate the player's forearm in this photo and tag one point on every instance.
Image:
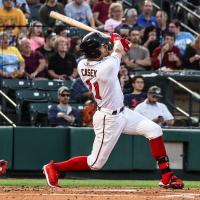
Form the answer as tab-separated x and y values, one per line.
118	47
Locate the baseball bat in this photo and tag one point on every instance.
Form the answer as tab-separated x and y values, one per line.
73	22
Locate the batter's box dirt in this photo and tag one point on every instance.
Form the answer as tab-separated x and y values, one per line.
100	193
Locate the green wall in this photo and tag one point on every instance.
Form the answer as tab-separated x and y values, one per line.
33	147
6	145
30	148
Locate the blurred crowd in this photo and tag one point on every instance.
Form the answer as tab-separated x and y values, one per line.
35	46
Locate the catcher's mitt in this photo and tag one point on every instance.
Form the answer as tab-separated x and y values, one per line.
17	74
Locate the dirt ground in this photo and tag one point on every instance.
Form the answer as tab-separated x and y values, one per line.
45	193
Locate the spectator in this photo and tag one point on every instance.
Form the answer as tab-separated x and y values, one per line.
61	29
149	40
11	61
35	64
12	17
80	10
115	17
75	48
146	18
100	11
192	55
36	35
137	96
129	22
47	50
79	92
62	65
154	110
34	6
138	57
166	57
182	38
25	9
64	114
20	36
162	24
18	4
49	5
124	79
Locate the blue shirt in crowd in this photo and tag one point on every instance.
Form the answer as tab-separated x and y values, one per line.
132	100
182	40
142	22
54	120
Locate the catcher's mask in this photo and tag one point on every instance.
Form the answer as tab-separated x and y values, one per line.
92	42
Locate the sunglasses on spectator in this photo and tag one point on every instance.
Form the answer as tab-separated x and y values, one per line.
65	95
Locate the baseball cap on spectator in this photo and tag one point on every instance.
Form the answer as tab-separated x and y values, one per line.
155	90
63	89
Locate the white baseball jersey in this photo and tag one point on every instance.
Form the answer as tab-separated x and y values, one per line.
101	78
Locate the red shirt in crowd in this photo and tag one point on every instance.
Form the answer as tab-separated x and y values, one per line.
165	61
102	8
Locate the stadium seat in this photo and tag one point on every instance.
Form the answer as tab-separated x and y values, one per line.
52	96
25	97
10	85
38	114
46	84
68	83
15	84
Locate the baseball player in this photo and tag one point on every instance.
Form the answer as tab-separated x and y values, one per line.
99	72
3	167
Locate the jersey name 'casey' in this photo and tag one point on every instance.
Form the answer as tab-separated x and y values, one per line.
88	72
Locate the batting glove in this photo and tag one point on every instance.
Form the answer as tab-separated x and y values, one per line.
113	37
125	44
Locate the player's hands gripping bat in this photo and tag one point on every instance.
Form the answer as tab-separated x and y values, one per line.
125	43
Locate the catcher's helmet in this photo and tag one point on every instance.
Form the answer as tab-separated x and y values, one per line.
91	43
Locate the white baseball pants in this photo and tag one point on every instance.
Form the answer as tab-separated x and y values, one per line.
108	128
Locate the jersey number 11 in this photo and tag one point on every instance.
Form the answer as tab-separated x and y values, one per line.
96	87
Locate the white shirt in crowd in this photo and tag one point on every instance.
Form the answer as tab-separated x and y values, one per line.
152	111
111	24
